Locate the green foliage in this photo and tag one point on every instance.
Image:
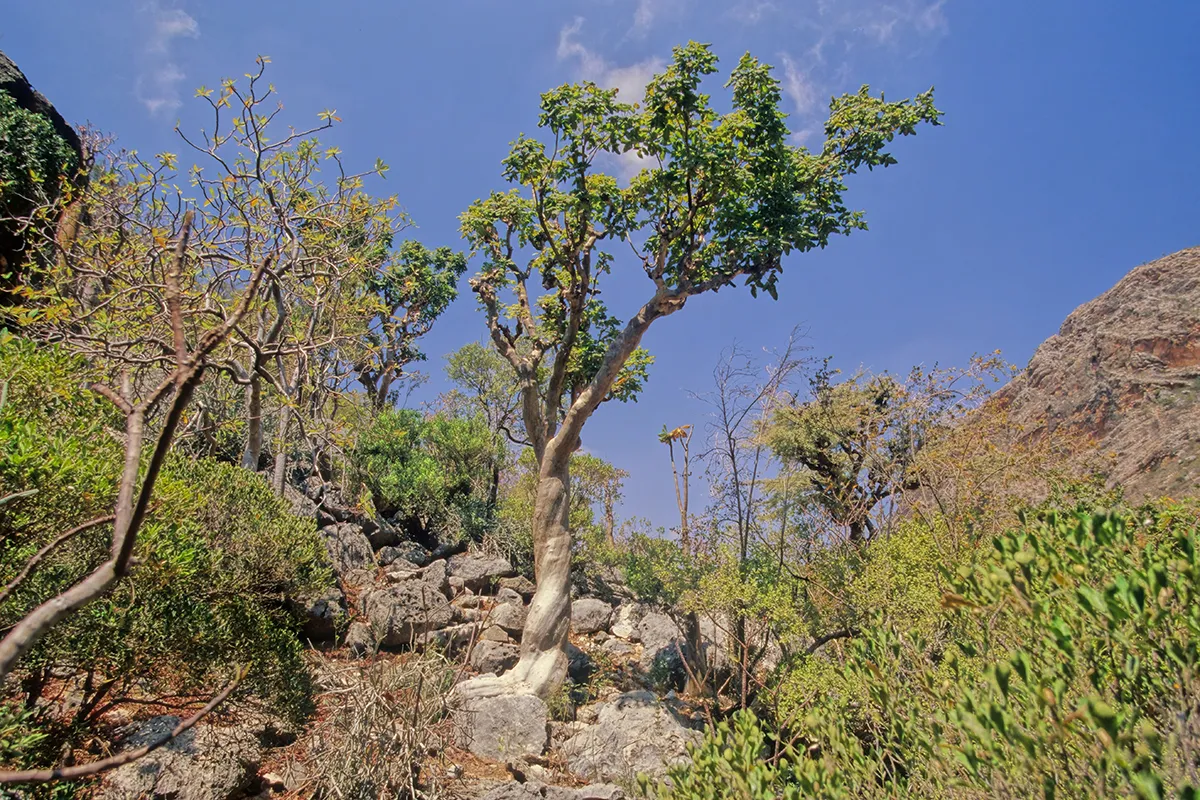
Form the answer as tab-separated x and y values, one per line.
734	762
1061	663
34	159
430	472
218	561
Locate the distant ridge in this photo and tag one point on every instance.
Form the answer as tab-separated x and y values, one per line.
1124	371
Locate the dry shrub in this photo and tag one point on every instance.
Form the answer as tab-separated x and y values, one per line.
387	723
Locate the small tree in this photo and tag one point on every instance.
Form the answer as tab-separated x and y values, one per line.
723	197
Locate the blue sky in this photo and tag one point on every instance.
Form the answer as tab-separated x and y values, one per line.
1069	153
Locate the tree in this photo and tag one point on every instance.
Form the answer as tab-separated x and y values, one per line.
486	388
724	197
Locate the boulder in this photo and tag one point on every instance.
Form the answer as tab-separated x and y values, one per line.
360	639
411	552
506	595
480	571
509	617
494	657
536	790
617	647
503	726
589	615
334	507
519	584
626	618
635	732
416	604
350	553
382	533
494	633
204	763
660	636
579	664
321	615
301	506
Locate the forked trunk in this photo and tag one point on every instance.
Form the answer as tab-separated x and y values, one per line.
543	664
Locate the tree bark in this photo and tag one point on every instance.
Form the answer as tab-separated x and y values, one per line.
543	662
277	480
254	430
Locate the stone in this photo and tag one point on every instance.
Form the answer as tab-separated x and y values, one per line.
589	615
383	533
301	506
512	790
502	726
457	584
519	584
360	639
466	600
322	613
617	647
334	507
410	552
625	620
399	614
579	664
349	552
659	635
508	617
203	763
635	732
494	657
507	595
451	639
480	571
494	633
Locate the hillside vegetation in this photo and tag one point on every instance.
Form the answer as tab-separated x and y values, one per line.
236	561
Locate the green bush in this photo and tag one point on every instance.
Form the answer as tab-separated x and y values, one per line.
1062	663
217	560
33	158
430	473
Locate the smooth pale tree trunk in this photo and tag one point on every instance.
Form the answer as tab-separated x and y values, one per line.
543	660
254	430
277	481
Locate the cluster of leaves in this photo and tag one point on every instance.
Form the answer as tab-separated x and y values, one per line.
1062	663
428	473
220	559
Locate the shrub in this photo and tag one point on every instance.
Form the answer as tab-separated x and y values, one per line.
430	473
1062	663
217	559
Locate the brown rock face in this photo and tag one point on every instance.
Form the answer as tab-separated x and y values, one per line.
1125	371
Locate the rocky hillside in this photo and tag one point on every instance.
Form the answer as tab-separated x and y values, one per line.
1124	372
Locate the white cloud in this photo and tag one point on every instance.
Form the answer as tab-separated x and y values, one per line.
159	77
629	80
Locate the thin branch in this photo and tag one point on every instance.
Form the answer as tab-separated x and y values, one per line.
129	756
45	551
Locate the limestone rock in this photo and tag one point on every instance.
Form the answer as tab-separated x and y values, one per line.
507	595
322	614
1124	373
410	552
589	615
204	763
519	584
350	553
509	617
635	732
413	606
626	619
494	657
360	639
503	726
479	571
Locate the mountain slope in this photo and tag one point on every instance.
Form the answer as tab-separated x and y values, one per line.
1124	371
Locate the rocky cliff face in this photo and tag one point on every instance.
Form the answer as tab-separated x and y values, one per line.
1124	371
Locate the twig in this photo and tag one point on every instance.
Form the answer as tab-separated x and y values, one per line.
45	551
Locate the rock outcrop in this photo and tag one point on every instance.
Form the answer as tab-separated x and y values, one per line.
1124	373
